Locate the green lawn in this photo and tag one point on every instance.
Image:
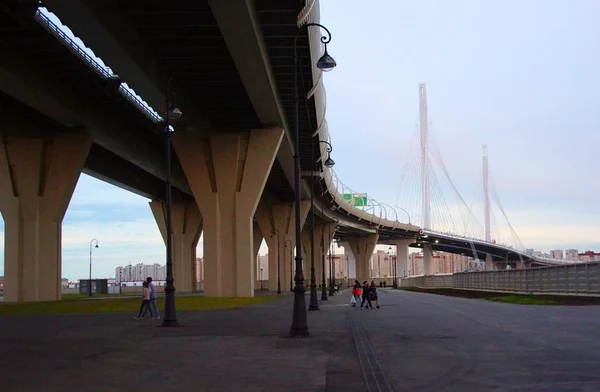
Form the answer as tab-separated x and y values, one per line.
509	298
85	296
114	305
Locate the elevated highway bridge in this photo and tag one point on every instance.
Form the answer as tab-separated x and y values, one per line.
231	64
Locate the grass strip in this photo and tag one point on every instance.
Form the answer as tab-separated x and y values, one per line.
510	298
116	305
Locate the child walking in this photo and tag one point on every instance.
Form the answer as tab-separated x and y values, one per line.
145	306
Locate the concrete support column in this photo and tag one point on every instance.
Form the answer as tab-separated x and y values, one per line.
37	179
427	260
278	220
187	228
362	249
489	264
402	257
350	260
323	235
227	174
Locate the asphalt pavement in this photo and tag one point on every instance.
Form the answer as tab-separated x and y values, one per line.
415	342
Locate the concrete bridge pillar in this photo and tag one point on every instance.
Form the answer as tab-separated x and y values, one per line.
427	260
489	263
277	220
402	257
187	227
227	174
362	249
350	260
37	179
323	235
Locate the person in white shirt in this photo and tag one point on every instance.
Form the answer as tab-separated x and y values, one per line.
145	306
152	304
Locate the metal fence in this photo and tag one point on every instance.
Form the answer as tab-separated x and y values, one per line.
564	279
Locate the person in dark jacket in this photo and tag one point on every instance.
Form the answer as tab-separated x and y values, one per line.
365	295
373	295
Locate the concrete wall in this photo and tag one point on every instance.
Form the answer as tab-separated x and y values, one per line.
431	281
563	279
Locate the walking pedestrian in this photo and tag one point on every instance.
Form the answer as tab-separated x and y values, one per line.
145	306
373	295
366	289
152	303
356	293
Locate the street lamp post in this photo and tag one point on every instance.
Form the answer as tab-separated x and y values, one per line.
261	280
394	258
299	325
291	262
347	269
332	270
323	274
171	113
276	232
314	302
406	212
90	281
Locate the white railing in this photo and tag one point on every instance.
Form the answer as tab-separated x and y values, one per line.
56	31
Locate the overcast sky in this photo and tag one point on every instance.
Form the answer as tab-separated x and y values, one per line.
519	76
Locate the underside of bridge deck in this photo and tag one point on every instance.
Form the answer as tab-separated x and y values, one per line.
44	73
192	42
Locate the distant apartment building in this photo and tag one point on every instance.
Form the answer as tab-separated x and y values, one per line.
382	265
199	269
262	267
589	256
139	272
572	254
442	263
557	254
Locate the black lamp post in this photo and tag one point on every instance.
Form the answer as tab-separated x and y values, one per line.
291	262
323	275
314	302
347	269
395	285
299	325
395	266
332	270
328	162
276	232
172	113
90	281
261	280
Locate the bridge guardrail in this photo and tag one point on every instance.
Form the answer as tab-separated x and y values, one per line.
53	29
581	278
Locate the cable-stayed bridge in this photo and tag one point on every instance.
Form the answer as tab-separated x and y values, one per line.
428	216
435	216
448	222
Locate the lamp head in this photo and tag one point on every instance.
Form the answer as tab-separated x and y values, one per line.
326	63
96	246
329	162
174	113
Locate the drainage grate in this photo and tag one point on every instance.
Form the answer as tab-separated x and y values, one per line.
373	375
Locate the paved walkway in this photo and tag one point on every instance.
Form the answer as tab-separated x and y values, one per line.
415	342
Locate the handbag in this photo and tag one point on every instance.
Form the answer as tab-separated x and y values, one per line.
353	300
